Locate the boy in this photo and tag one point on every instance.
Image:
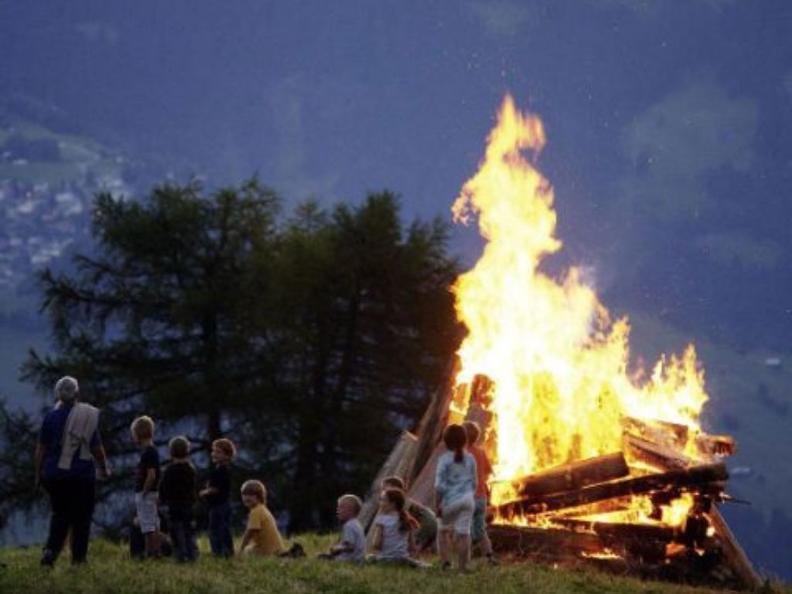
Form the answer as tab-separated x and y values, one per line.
217	494
177	492
146	484
484	468
352	546
261	534
426	534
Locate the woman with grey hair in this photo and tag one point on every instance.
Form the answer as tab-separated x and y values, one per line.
67	449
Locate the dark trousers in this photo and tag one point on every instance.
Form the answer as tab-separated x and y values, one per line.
220	538
72	502
180	524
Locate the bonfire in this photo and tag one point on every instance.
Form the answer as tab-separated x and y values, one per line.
596	460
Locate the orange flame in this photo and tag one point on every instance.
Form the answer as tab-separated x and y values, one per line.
558	361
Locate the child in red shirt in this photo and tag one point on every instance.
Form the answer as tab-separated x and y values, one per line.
484	469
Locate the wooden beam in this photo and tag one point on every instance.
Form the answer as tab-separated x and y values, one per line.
680	479
732	551
397	463
573	476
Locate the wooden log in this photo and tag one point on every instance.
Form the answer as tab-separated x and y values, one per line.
397	463
732	551
716	445
547	543
622	531
680	479
433	423
656	429
654	454
573	476
422	489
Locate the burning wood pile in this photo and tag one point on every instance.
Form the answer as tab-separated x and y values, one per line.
595	458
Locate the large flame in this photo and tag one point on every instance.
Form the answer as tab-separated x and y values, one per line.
558	362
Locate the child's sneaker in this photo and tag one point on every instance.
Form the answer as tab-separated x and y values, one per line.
492	559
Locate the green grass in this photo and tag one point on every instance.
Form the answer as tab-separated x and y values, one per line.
110	571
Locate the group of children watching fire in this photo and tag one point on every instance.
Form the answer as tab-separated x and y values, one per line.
401	530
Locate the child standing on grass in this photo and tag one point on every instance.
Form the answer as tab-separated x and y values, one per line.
146	484
352	546
478	530
261	534
393	530
426	534
177	493
455	487
217	496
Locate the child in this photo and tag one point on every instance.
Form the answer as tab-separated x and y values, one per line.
352	546
146	484
426	535
393	530
177	492
455	486
484	471
261	534
217	494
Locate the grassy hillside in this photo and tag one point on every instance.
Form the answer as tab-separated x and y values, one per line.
109	570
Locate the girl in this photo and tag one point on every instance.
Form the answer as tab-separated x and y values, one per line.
393	530
455	486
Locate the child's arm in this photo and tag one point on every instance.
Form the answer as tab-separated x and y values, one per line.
377	540
413	550
246	538
151	478
341	547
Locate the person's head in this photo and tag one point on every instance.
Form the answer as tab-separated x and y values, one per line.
455	440
473	432
67	389
348	507
394	501
179	448
223	451
253	493
142	429
393	482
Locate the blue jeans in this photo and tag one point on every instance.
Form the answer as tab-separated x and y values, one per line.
182	535
220	538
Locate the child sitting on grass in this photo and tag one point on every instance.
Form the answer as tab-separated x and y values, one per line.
177	494
426	534
146	484
478	531
352	546
217	495
393	530
261	534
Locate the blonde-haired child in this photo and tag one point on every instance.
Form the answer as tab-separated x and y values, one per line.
261	534
352	545
147	483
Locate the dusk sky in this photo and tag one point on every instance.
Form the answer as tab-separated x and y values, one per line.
666	120
669	125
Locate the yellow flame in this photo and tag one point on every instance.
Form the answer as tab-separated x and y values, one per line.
558	361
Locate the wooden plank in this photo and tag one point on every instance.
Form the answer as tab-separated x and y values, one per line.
679	479
622	531
654	454
422	489
573	476
732	551
398	462
544	542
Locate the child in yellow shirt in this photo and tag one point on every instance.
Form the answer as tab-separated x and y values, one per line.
261	534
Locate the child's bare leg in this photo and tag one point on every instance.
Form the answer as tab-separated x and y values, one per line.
486	544
443	545
153	544
462	542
